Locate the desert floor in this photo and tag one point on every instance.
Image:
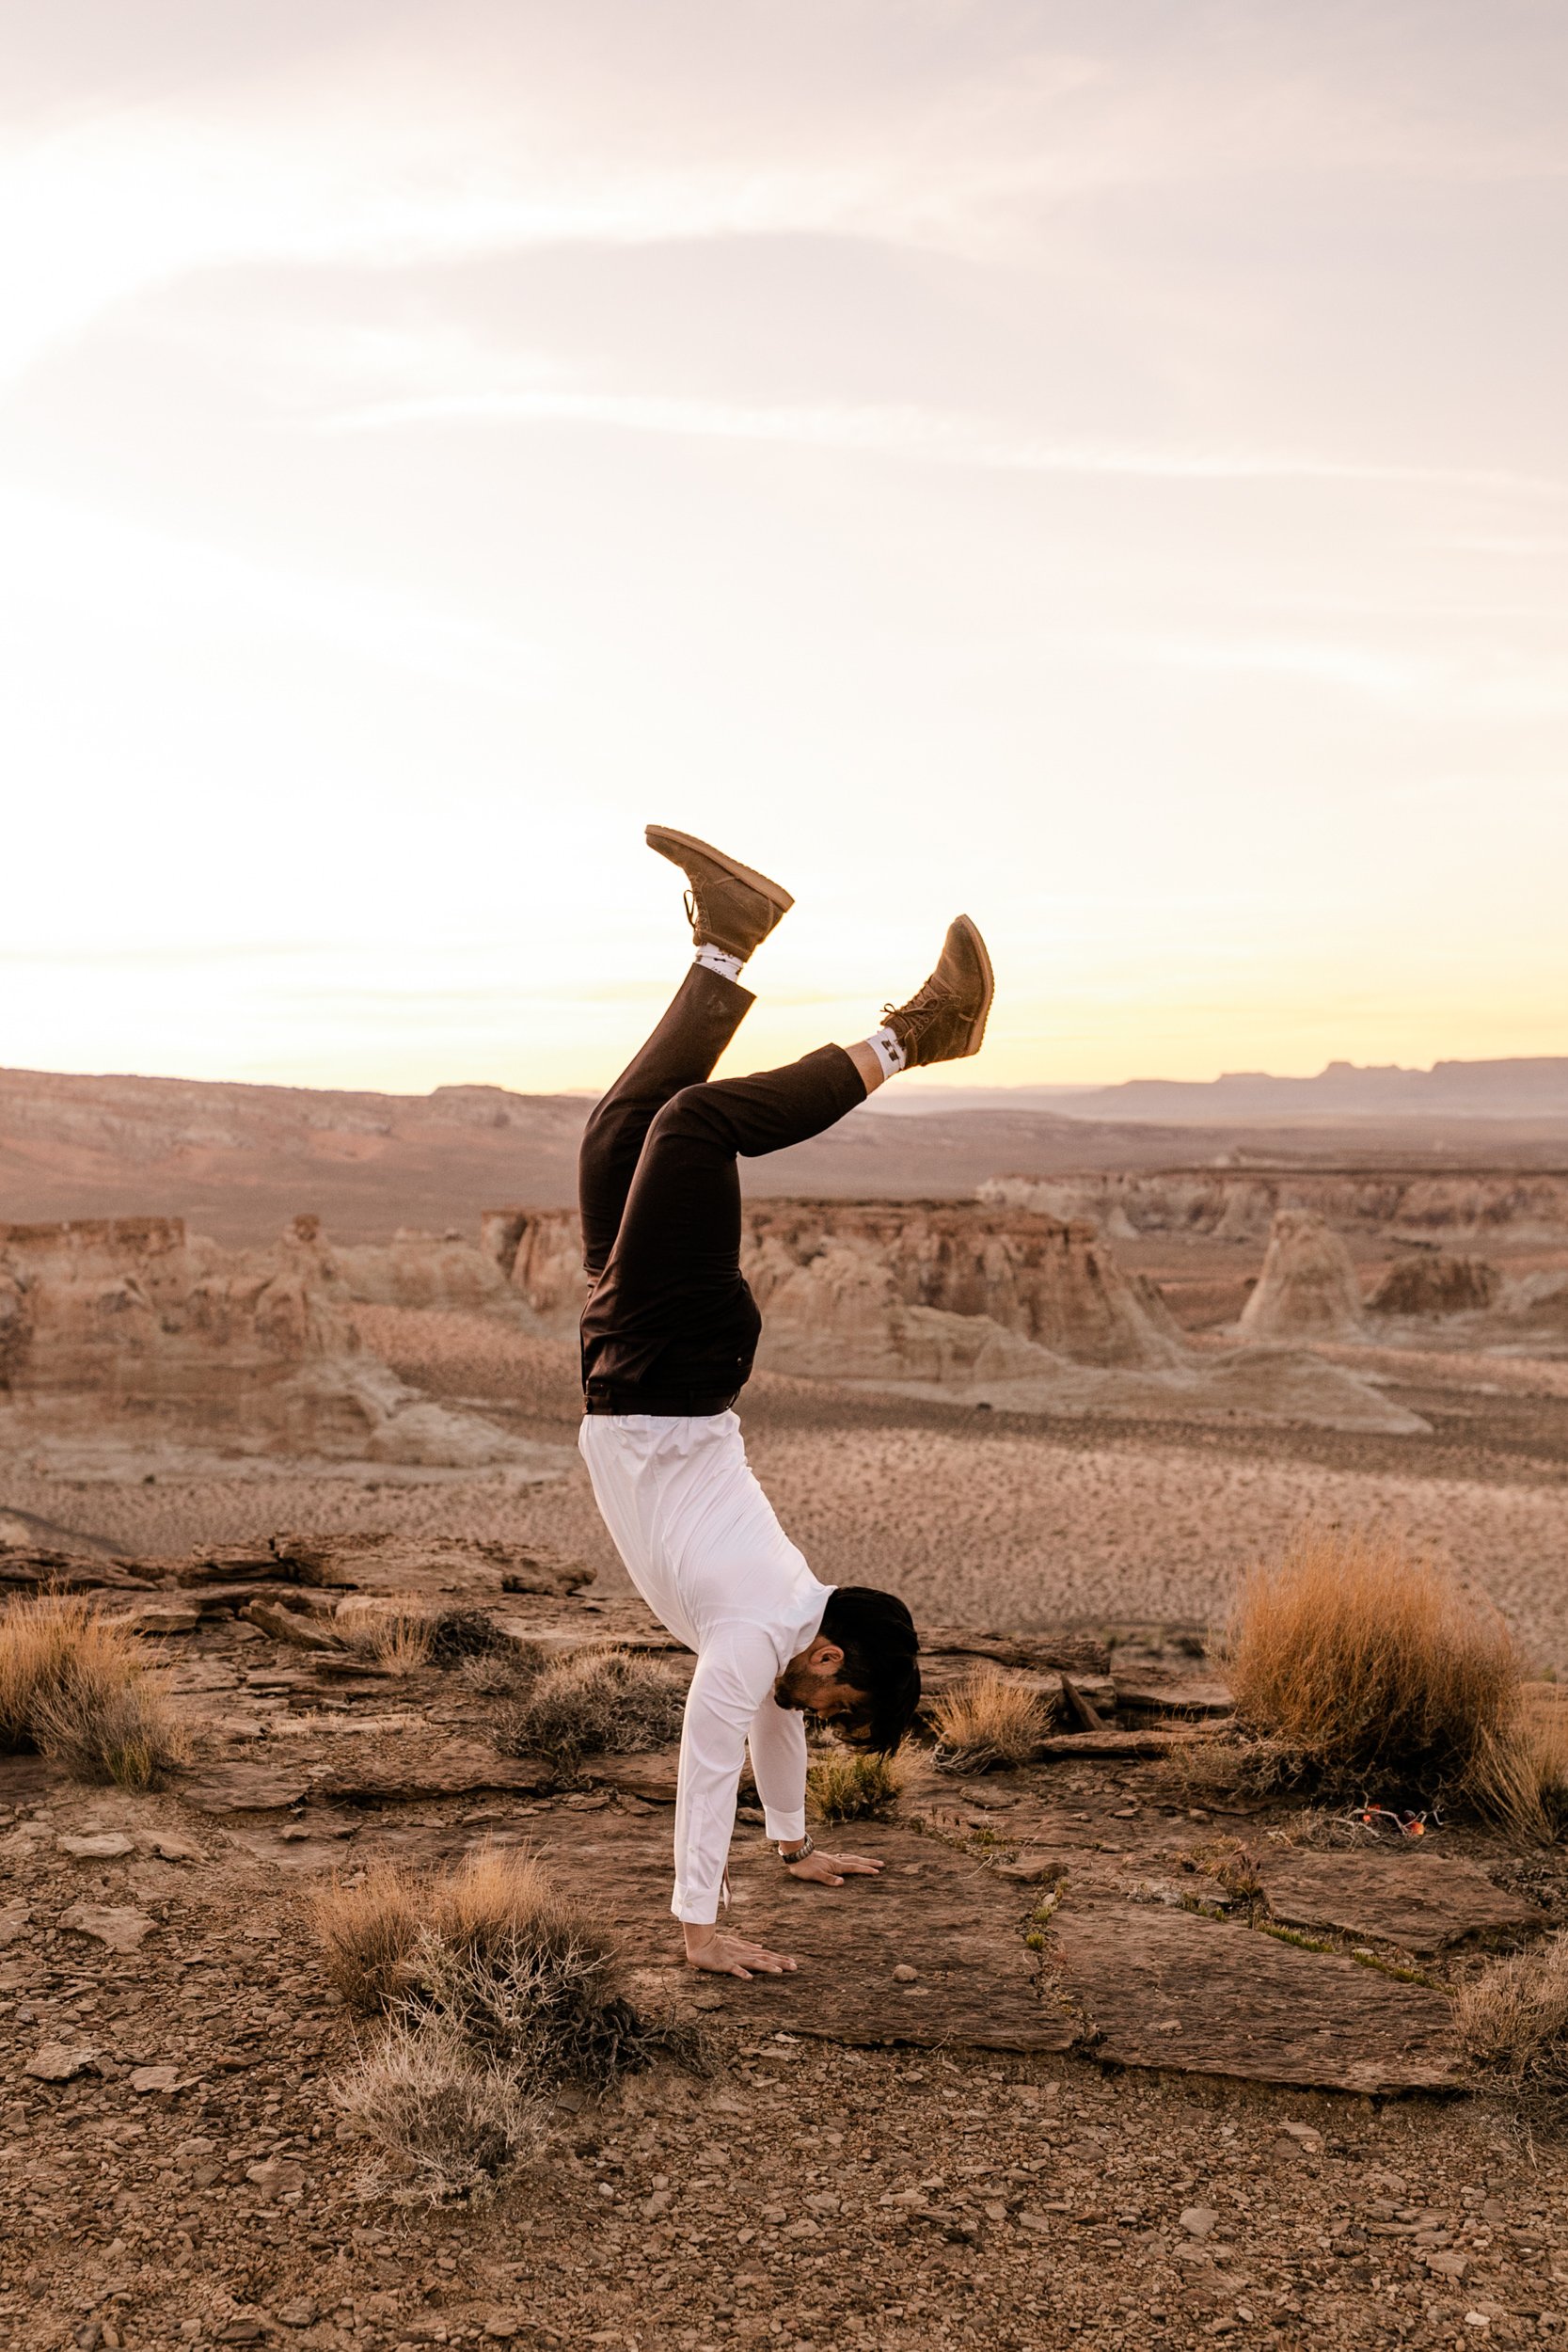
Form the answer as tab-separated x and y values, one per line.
824	2185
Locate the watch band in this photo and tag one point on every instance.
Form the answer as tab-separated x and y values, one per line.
808	1846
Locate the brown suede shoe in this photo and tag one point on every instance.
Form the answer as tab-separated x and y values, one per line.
946	1020
732	906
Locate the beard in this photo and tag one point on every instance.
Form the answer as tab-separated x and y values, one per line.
791	1690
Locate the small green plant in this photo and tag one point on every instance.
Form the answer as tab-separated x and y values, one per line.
846	1785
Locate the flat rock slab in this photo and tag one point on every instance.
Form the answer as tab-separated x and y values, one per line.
244	1788
932	1910
1199	1996
1419	1900
455	1768
120	1929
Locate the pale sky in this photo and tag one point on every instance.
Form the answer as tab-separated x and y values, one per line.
1102	467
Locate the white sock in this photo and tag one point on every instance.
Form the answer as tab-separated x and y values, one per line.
885	1045
714	960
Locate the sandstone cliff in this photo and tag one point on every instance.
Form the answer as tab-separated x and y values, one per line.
139	1323
1241	1203
970	1304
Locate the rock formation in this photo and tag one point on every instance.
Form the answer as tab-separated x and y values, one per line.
970	1304
869	1290
1436	1283
873	1290
129	1316
1240	1204
1308	1288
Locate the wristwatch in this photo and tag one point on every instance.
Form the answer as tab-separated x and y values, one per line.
807	1846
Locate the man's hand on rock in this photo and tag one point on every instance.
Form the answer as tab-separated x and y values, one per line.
832	1869
729	1955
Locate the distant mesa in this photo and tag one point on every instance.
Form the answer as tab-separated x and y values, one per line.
1523	1088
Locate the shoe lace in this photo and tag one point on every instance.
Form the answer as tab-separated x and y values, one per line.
928	1000
696	912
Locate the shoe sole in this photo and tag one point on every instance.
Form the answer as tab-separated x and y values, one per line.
669	844
971	929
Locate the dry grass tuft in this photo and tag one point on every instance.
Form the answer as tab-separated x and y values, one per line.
1519	1777
399	1638
600	1701
1368	1660
986	1722
445	2121
847	1786
492	1953
78	1687
1511	2019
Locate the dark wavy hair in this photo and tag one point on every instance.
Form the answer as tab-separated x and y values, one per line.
882	1649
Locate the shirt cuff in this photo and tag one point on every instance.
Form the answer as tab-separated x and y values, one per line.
785	1829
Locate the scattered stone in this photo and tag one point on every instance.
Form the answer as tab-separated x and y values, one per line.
904	1974
301	2313
1249	2006
170	1846
59	2062
275	2176
150	2078
1197	2220
12	1920
121	1929
1416	1901
99	1846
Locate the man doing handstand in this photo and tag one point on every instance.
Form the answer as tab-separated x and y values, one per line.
669	1333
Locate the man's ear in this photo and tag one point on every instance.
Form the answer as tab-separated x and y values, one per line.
825	1654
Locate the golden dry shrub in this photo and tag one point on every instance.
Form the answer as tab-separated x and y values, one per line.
77	1686
847	1784
1518	1776
494	1953
986	1722
401	1639
1511	2019
1368	1659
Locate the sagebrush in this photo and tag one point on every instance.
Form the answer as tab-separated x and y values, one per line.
444	2122
492	1948
596	1701
494	1990
78	1686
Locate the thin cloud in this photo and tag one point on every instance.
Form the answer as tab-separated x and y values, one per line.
905	433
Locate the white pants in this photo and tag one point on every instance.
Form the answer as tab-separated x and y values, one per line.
700	1541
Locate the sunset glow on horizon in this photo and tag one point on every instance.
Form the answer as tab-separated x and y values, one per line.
1102	468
